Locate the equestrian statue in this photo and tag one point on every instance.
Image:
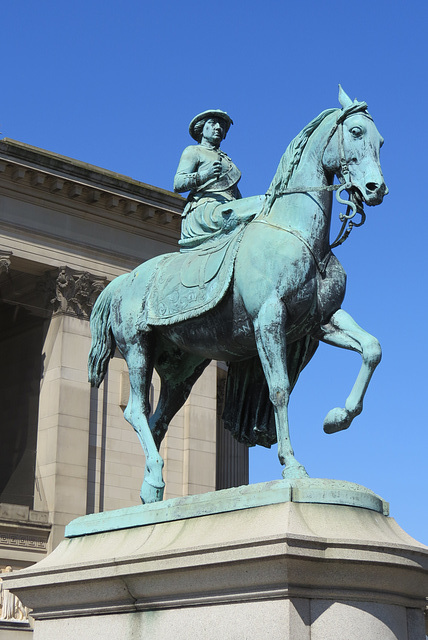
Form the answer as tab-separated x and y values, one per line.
255	284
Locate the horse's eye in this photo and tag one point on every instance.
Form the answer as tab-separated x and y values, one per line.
357	132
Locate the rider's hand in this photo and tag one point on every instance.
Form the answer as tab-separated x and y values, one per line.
213	171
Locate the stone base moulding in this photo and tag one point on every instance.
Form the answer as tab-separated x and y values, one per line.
292	570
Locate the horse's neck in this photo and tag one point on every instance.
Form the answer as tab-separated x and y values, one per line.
308	213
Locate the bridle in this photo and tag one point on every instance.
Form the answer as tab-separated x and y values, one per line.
346	181
354	203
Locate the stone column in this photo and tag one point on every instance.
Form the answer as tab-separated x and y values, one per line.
199	445
64	406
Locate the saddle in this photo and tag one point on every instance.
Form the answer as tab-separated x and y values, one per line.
187	284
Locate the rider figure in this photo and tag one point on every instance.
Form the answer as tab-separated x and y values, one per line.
212	180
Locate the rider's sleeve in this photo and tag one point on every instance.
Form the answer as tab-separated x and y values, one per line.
187	177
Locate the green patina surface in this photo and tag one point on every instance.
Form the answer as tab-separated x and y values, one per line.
285	294
313	490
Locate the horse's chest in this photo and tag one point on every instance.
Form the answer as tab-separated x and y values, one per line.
331	289
317	298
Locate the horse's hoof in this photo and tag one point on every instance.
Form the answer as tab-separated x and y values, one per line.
150	494
337	420
293	471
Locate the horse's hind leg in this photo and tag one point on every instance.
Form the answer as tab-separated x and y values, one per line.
342	331
177	380
139	358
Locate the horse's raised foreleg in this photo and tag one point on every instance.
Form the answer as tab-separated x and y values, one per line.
139	359
270	335
342	331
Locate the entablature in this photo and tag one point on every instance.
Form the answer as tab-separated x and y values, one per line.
89	190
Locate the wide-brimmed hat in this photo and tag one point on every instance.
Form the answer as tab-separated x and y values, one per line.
211	113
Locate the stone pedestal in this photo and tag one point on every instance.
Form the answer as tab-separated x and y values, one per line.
254	562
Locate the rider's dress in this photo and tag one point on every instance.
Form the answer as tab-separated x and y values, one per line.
207	212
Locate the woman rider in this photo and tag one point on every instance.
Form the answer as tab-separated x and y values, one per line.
212	180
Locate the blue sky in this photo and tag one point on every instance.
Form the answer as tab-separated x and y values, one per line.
116	84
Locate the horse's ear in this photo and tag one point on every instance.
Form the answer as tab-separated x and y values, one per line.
344	99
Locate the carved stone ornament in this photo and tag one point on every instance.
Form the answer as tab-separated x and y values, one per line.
73	292
11	607
5	261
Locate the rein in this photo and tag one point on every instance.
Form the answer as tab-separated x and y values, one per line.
345	175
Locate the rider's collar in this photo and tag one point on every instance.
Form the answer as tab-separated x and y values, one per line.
209	146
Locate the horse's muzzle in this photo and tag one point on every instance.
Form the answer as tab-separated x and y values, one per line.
374	193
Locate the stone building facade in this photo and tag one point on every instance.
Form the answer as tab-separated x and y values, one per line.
67	229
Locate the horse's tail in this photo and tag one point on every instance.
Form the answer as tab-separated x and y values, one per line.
103	341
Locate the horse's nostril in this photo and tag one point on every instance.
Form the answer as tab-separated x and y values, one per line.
372	186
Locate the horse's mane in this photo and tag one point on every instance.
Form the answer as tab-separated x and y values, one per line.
290	160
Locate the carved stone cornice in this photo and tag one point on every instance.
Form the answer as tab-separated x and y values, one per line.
76	181
72	292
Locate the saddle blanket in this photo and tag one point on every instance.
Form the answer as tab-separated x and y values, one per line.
189	283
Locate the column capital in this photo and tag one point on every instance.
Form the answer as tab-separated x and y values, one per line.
5	259
73	292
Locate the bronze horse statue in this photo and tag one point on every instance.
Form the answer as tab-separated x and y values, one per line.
285	295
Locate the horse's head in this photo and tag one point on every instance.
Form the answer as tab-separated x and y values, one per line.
352	152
